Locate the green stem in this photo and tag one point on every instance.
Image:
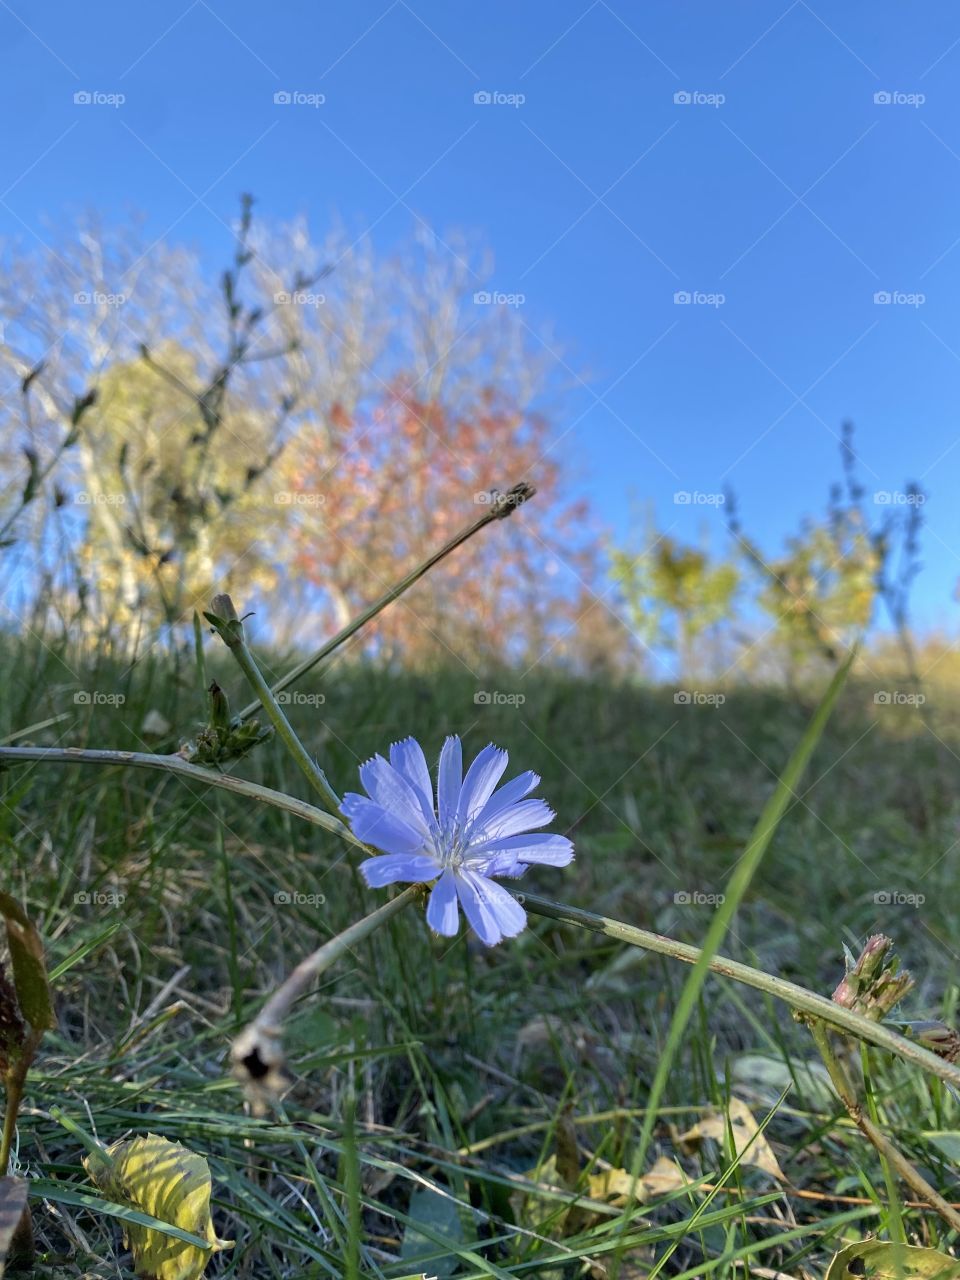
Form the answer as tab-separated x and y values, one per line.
232	636
887	1151
897	1231
14	1081
796	997
789	993
190	773
501	505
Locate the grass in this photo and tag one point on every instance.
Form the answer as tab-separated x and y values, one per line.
446	1096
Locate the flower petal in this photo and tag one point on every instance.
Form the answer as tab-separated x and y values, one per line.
547	849
409	761
443	914
511	822
449	780
375	825
493	913
509	794
408	868
392	791
482	777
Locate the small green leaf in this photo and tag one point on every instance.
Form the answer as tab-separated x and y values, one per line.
437	1215
29	970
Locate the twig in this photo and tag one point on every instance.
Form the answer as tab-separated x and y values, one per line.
888	1152
190	773
501	505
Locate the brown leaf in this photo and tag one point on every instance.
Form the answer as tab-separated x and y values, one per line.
747	1138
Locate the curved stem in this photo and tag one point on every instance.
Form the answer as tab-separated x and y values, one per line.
789	993
889	1154
797	997
190	773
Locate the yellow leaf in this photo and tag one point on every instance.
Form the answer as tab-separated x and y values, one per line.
882	1260
747	1139
171	1183
614	1185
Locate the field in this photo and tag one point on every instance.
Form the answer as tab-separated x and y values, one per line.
449	1101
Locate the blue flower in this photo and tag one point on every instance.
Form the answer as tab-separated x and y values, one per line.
474	833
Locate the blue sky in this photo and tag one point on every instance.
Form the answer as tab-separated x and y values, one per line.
782	195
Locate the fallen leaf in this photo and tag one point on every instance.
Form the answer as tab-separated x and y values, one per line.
748	1141
171	1183
614	1185
882	1260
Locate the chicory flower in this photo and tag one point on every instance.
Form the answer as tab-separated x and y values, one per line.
472	834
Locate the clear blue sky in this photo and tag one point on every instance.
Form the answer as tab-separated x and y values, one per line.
797	197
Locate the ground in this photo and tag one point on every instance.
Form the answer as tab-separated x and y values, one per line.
170	911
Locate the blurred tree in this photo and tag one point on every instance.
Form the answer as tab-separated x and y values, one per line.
284	441
822	593
675	596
